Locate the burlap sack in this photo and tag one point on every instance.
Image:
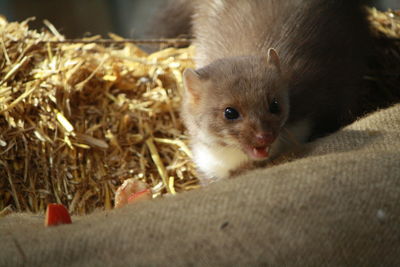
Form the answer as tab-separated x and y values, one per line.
337	206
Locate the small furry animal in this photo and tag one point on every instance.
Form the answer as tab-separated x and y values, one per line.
269	74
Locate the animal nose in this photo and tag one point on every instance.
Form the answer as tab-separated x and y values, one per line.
265	138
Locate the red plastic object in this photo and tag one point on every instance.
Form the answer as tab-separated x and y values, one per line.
57	214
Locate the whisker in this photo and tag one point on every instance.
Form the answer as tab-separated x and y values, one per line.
290	137
285	140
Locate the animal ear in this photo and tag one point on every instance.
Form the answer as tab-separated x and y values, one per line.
192	83
273	59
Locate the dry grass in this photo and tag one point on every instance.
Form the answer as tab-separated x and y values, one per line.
383	80
78	119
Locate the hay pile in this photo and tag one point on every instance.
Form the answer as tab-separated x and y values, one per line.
384	77
77	119
386	24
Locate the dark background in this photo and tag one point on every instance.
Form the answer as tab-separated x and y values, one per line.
77	18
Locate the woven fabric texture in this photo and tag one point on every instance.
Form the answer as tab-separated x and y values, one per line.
338	205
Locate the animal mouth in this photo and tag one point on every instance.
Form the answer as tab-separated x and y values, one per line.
259	152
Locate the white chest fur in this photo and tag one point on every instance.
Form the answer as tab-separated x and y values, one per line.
217	162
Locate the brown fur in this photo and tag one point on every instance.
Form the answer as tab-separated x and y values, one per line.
322	46
172	20
213	94
322	43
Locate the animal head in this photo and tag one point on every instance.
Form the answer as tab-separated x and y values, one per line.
239	102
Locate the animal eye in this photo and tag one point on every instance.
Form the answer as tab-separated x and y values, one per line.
231	114
274	107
